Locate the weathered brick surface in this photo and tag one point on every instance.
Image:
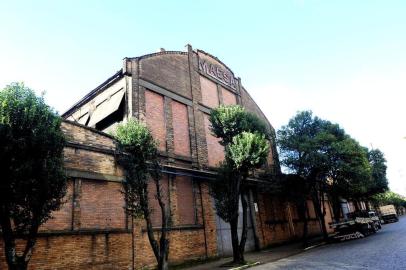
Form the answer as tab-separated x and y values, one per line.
96	251
155	117
93	230
102	205
62	219
87	136
87	160
181	137
185	200
209	92
229	97
170	71
215	151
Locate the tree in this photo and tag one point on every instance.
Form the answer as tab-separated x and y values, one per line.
33	182
377	162
389	197
246	147
301	151
349	172
139	158
325	157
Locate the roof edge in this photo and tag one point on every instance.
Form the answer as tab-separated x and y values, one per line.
118	75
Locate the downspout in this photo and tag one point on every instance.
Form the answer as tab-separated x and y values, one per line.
204	221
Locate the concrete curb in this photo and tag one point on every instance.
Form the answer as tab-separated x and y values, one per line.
245	266
315	246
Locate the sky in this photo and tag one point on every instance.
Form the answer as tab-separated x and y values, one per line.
344	60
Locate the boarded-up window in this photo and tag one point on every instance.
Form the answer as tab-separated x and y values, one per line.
101	205
156	217
229	97
209	92
215	151
181	137
185	200
154	110
62	219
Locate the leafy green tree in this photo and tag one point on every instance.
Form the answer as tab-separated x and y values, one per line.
301	151
33	182
139	158
349	172
389	197
377	162
329	160
246	147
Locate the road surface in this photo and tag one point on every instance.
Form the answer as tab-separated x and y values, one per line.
384	250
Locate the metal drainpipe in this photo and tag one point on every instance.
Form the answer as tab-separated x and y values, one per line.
204	220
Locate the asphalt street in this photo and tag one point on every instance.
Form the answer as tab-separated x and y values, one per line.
384	250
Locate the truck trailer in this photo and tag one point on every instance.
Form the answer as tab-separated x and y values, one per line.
388	213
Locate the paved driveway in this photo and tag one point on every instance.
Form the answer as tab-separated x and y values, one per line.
384	250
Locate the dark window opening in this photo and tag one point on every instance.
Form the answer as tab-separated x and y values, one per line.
114	118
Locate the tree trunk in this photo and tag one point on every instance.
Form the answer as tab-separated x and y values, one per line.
20	264
244	233
336	208
163	241
302	211
14	261
320	215
234	238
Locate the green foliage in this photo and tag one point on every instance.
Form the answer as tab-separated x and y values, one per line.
229	121
31	157
322	152
389	197
378	165
244	136
247	151
139	158
224	191
33	181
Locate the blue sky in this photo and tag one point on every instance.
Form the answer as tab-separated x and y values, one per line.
345	60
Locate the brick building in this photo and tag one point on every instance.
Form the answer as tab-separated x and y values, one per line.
173	93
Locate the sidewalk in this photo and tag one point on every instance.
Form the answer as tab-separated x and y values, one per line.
264	256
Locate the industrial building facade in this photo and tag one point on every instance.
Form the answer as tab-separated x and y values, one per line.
173	93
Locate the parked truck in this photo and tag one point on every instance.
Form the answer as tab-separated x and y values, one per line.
388	213
357	225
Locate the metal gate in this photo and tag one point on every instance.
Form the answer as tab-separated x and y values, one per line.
224	246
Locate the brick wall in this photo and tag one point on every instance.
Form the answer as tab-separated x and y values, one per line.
229	97
155	117
91	231
209	92
215	151
170	94
181	136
